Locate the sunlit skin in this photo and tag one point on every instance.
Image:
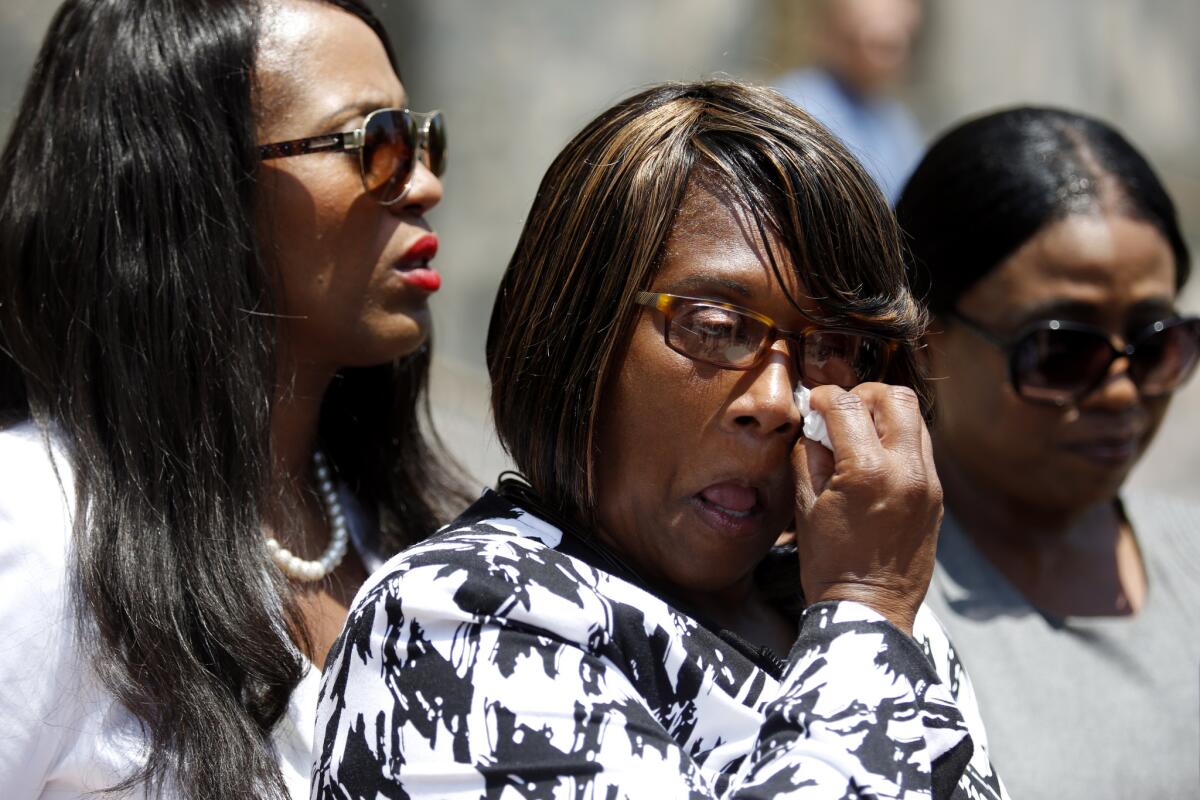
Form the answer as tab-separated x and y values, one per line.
338	256
678	426
1034	485
698	467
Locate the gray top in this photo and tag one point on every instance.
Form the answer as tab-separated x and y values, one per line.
1086	707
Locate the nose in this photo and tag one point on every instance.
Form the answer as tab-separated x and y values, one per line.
424	192
1118	392
764	404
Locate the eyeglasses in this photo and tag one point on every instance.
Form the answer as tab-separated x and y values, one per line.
1058	362
388	144
731	337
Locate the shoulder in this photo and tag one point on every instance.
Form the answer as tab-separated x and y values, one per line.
40	663
1159	513
805	84
495	564
35	475
1165	526
36	511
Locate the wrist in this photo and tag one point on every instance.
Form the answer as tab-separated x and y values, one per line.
897	606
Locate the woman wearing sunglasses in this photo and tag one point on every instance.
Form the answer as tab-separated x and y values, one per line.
617	623
1052	260
215	269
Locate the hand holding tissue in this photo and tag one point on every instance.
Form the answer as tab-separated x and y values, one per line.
814	424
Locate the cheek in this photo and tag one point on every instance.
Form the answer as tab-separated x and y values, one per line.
1156	410
653	419
981	419
323	248
313	221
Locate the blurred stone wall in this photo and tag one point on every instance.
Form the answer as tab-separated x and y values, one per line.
518	77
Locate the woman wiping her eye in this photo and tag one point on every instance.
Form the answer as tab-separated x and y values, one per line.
215	267
1052	260
618	623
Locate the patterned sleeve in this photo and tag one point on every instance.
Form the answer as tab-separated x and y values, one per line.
460	678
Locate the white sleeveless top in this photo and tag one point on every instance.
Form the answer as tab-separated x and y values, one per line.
62	734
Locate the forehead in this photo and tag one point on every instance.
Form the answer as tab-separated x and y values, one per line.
716	249
1105	260
315	59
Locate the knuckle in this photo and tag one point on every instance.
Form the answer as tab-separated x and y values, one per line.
904	396
847	401
918	493
936	496
823	397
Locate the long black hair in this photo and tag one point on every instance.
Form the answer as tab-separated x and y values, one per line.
131	325
988	185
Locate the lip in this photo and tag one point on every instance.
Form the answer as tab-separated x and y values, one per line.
1107	451
414	267
737	522
423	249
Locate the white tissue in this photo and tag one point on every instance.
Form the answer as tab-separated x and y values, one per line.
814	424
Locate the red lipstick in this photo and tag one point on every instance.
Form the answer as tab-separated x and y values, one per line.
425	279
414	265
423	249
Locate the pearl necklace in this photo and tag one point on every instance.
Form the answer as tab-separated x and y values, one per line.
300	569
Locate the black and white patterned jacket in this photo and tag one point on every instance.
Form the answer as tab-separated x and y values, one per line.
491	661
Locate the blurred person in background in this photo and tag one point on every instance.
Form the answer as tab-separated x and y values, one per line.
214	275
862	50
621	624
1051	258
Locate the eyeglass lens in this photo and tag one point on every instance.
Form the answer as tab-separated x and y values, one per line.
435	144
726	338
387	154
1062	365
1166	358
389	147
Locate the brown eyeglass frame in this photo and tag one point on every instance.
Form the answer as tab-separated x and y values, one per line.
667	304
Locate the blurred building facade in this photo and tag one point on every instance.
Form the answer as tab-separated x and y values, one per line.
518	78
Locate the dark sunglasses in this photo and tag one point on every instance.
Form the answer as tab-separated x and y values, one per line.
389	143
1058	362
732	337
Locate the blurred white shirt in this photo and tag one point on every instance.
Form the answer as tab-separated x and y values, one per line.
63	735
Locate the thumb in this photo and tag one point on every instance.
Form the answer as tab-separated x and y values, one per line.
813	466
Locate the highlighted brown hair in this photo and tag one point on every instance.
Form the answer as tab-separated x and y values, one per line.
595	237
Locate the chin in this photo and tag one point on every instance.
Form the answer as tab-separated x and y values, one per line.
1082	491
403	335
383	350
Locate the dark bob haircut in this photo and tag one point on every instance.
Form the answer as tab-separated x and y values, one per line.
597	231
986	187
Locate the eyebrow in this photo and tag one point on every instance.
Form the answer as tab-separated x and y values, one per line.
1087	312
357	108
705	283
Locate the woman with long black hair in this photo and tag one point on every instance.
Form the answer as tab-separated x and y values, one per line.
214	274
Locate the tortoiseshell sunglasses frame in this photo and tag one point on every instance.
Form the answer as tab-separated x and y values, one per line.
667	304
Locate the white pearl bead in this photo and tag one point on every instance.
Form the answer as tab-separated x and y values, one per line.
339	534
